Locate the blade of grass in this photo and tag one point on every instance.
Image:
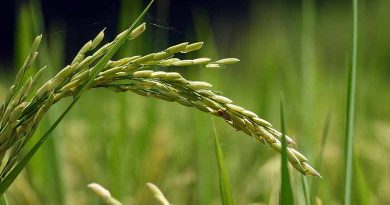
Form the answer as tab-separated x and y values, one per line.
224	183
286	195
350	112
94	72
3	200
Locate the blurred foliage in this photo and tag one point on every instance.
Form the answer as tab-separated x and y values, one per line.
123	141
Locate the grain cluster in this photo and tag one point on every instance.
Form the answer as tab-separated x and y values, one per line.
27	102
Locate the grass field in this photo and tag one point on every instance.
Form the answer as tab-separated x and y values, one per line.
122	140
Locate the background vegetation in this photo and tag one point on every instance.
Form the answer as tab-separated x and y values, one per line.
123	141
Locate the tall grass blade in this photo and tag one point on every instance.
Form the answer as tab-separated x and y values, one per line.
350	112
286	195
94	72
3	200
224	183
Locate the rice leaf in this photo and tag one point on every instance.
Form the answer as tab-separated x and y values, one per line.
224	183
3	200
286	195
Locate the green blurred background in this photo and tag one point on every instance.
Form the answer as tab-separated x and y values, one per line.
121	140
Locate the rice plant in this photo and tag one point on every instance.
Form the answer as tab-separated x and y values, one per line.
123	141
93	67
